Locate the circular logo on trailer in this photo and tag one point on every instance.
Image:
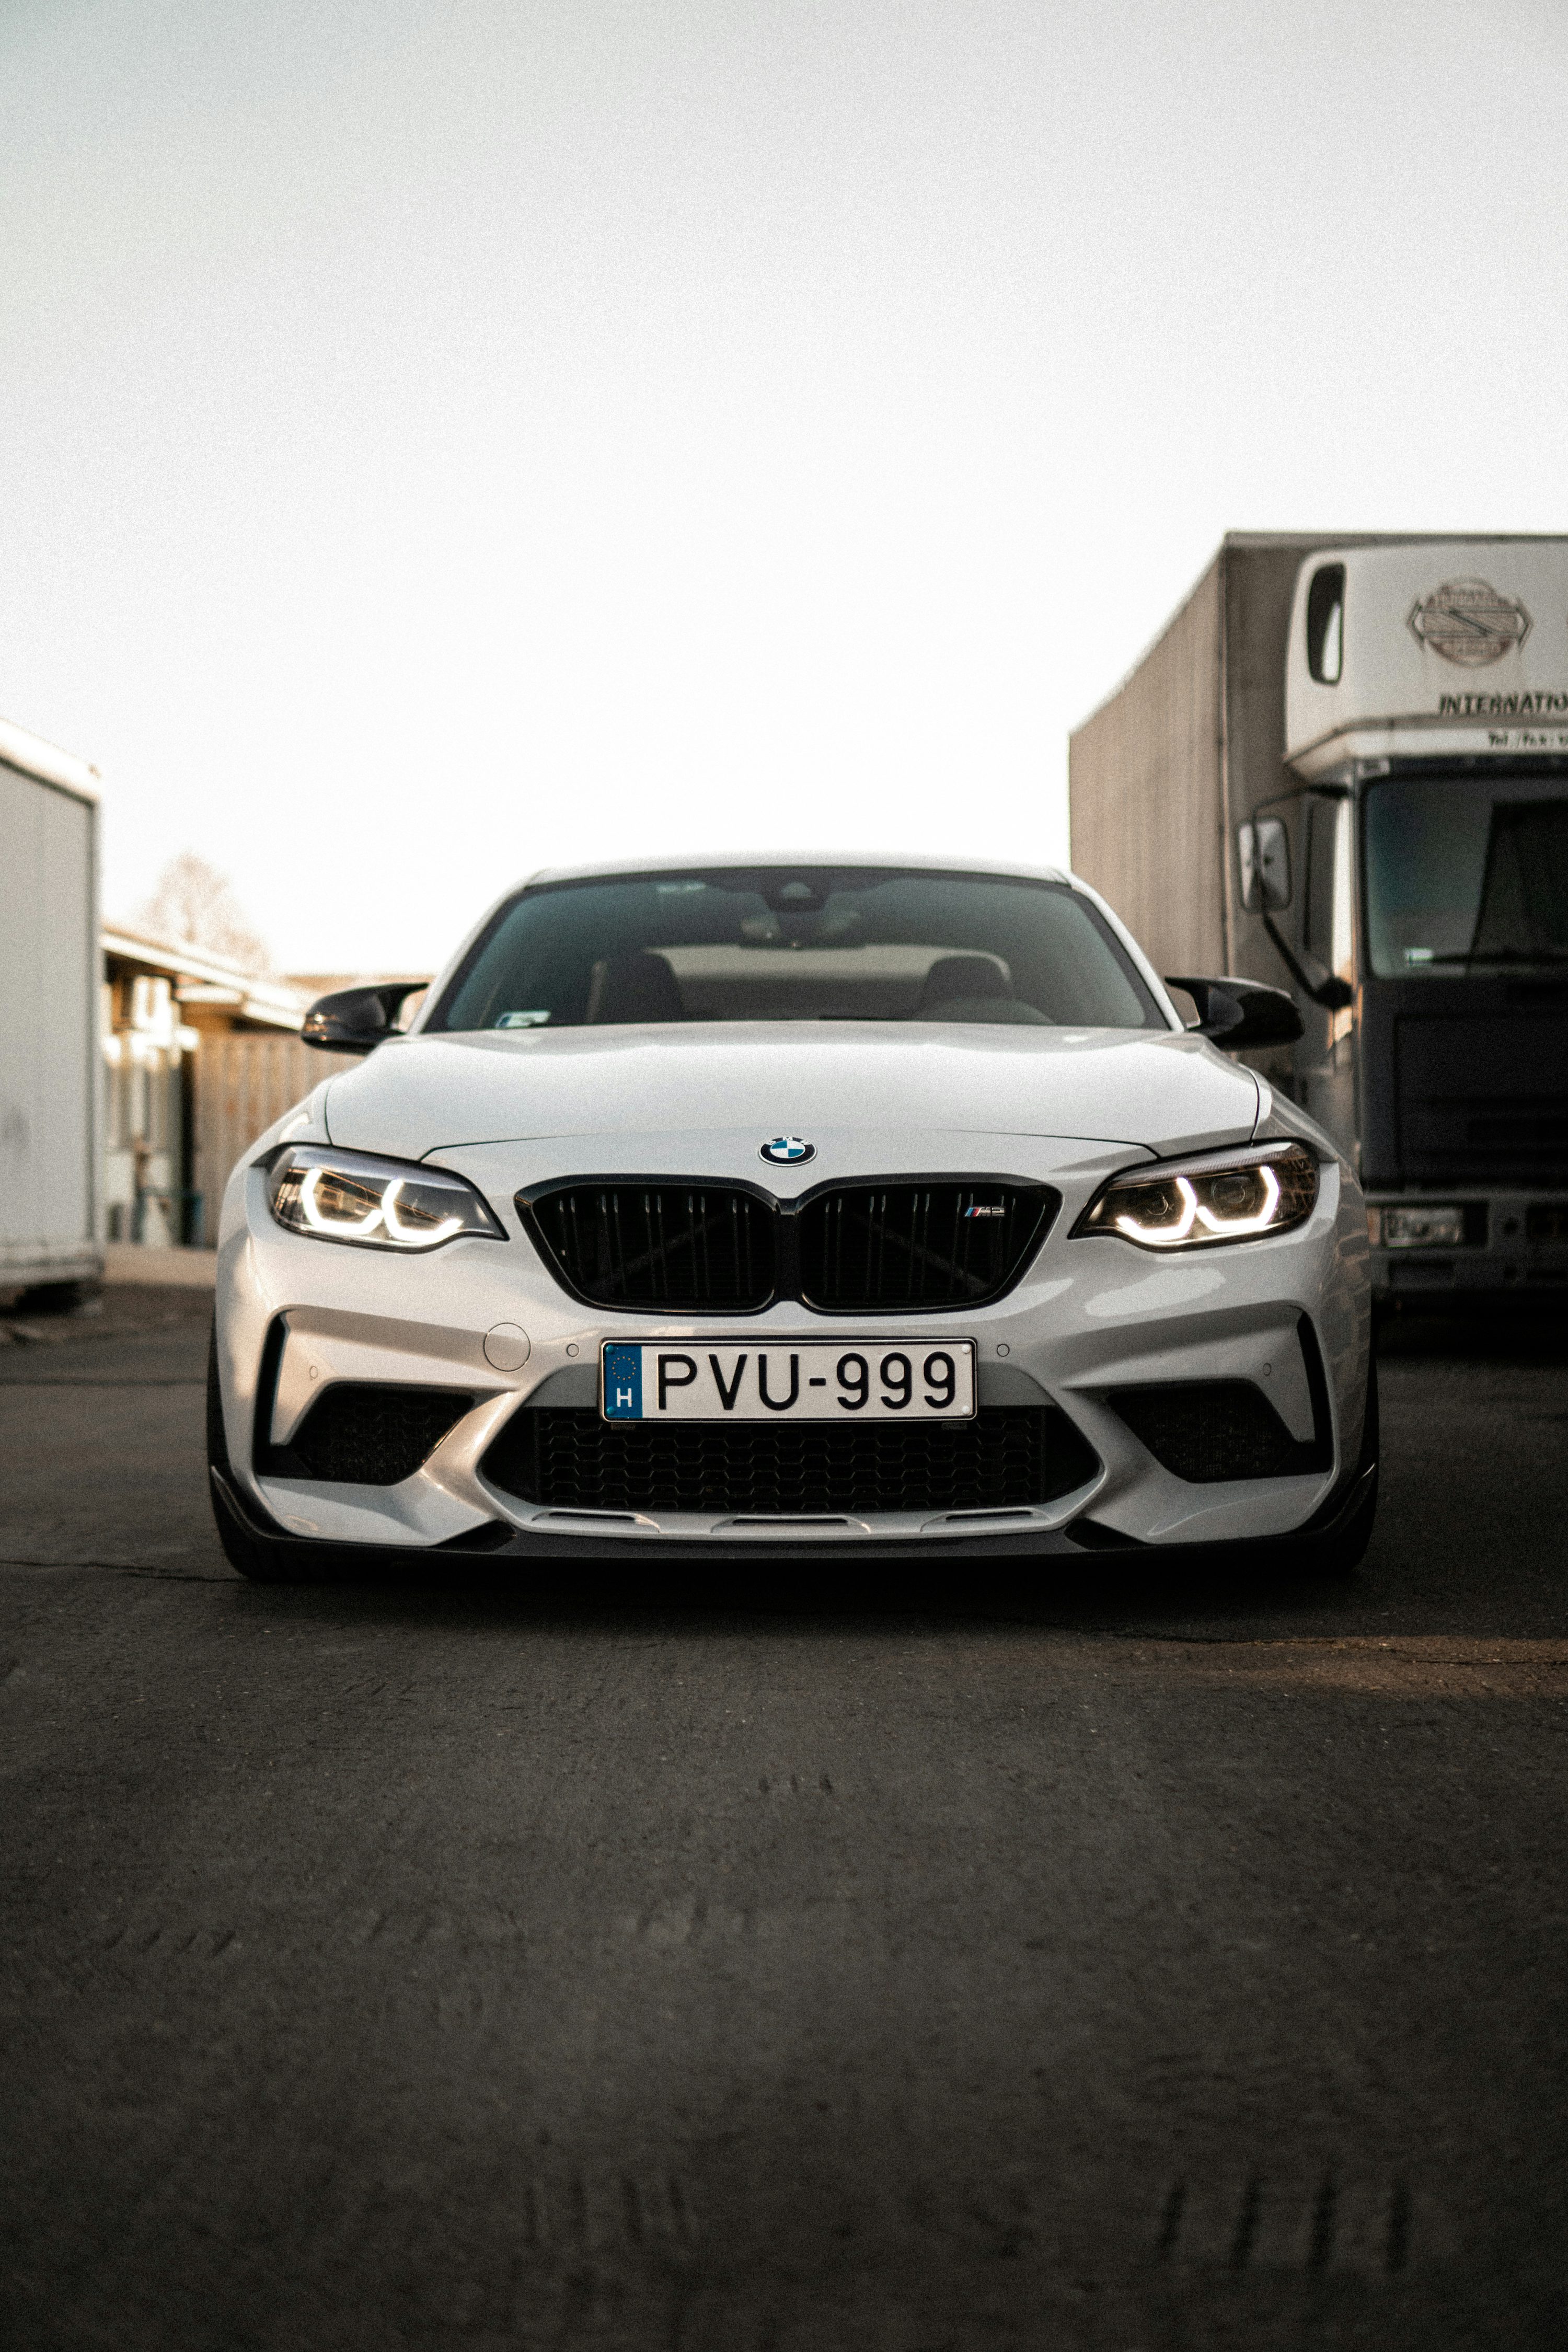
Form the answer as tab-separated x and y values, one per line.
788	1151
1470	622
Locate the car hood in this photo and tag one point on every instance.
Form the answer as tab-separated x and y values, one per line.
1165	1091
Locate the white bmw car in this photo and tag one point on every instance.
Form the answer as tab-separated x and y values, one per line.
795	1206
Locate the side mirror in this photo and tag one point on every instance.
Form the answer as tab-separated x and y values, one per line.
1263	848
355	1020
1241	1012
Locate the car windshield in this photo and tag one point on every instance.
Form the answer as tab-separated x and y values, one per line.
797	943
1466	873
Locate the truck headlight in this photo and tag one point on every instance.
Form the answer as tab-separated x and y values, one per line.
1423	1227
397	1204
1195	1204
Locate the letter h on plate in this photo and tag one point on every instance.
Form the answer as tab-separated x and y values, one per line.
622	1383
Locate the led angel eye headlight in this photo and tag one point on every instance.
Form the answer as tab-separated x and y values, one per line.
1194	1205
348	1196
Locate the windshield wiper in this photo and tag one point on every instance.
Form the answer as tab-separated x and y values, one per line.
1502	955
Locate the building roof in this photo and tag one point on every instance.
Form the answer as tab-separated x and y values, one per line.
202	978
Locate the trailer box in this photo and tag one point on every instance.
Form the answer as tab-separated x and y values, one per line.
51	1074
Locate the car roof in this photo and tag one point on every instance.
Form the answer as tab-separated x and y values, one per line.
903	861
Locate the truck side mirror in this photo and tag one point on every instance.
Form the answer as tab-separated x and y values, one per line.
1264	849
355	1020
1241	1012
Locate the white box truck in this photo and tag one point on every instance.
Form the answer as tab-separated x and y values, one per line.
1344	769
50	982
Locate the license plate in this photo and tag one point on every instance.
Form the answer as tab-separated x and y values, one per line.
833	1379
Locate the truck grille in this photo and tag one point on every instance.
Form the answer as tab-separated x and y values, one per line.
1006	1457
1481	1098
856	1249
1528	1129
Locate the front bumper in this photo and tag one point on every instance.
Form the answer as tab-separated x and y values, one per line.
1515	1245
1090	1317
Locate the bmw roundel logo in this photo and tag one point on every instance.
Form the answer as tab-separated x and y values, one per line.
788	1151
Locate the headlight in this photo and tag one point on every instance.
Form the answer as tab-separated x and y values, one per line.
1419	1228
348	1196
1192	1204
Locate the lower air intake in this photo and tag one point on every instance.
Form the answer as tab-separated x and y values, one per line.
1207	1431
1006	1457
356	1434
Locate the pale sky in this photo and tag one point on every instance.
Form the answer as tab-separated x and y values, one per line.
440	439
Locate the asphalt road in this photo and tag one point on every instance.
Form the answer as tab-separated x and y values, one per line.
507	1963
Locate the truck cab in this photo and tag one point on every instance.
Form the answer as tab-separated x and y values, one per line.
1411	870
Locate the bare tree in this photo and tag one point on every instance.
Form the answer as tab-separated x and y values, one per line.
193	902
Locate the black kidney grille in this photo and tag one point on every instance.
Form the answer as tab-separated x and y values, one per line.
1206	1431
659	1245
912	1245
723	1249
370	1436
1008	1456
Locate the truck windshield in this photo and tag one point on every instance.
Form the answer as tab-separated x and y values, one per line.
797	943
1467	873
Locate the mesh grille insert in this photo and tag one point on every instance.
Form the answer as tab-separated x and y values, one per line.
369	1436
1206	1431
909	1246
657	1245
1006	1456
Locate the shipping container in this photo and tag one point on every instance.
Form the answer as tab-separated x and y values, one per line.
50	980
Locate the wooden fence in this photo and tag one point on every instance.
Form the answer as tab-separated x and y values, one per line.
244	1080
